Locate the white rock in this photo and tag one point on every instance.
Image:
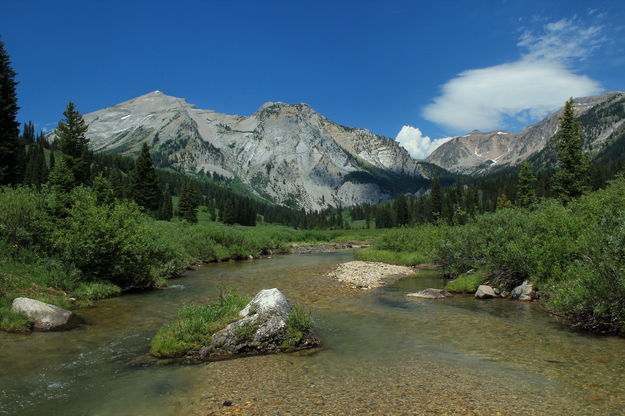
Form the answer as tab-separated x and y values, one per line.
524	291
485	292
46	317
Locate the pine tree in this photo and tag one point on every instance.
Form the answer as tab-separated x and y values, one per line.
526	189
401	210
572	175
9	127
187	206
145	189
227	212
103	190
437	199
167	208
71	139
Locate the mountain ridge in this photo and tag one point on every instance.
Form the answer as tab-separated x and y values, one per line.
480	153
287	153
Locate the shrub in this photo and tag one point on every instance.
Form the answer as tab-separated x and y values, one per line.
107	242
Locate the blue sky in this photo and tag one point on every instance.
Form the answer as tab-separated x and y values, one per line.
442	68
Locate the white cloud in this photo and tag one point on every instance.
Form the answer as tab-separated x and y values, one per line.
522	91
418	145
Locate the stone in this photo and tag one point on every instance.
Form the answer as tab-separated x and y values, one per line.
46	317
525	292
262	329
430	294
485	292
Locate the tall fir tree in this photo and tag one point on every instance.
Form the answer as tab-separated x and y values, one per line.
572	175
71	139
401	210
145	188
167	208
526	188
9	127
437	199
187	206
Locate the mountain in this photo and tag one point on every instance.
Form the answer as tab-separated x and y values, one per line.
288	154
479	153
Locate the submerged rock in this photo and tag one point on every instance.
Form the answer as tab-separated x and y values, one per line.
430	294
264	328
485	292
524	291
46	317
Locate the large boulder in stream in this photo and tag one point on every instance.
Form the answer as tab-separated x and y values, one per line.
485	292
430	294
45	317
525	292
268	324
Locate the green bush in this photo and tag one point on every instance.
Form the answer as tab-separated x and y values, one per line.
107	242
23	216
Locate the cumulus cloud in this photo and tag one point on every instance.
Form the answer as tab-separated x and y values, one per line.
418	145
521	91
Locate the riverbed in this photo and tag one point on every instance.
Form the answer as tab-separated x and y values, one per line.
383	353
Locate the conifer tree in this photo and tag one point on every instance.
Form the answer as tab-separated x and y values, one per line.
401	210
9	127
572	174
145	189
227	212
526	189
187	206
103	189
437	199
71	139
167	208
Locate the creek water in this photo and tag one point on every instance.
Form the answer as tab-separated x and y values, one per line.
383	353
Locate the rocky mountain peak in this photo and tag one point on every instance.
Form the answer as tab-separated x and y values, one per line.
286	153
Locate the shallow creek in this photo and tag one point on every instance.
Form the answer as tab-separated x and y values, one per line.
383	353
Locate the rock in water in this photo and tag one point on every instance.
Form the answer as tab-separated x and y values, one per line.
46	317
262	329
430	294
485	292
525	292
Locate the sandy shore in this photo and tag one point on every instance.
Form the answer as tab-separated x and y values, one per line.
369	275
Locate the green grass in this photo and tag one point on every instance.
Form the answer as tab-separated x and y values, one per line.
466	283
11	321
298	323
195	326
392	257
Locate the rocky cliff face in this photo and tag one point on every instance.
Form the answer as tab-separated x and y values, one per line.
479	152
286	153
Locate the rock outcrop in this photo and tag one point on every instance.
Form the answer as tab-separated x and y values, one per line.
524	291
45	317
430	294
264	328
485	292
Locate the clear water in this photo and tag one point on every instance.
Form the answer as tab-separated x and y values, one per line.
383	353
